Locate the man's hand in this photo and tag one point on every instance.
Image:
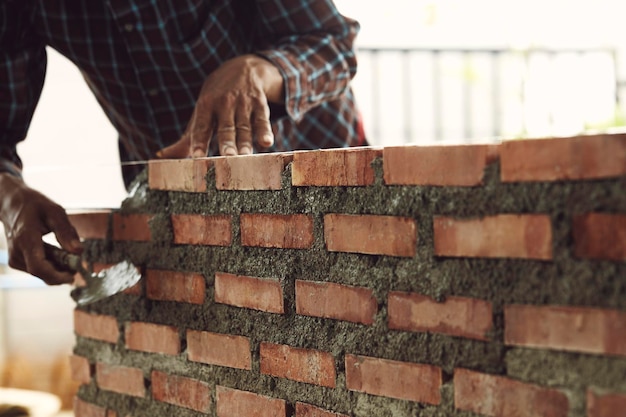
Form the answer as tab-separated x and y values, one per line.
233	106
28	215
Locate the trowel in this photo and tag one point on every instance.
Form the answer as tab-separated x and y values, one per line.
99	285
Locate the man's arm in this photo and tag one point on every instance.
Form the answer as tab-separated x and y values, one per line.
26	214
304	57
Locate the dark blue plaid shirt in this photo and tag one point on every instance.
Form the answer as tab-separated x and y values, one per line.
146	60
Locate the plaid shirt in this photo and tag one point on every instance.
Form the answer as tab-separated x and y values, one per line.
146	60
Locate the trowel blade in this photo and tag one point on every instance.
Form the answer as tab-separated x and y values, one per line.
106	283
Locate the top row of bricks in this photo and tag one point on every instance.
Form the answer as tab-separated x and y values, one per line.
572	158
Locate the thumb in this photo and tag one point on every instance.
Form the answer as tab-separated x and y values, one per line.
177	150
65	233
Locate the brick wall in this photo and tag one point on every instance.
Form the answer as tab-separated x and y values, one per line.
405	281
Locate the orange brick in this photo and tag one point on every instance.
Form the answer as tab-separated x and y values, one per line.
96	326
374	235
219	349
136	289
461	165
334	301
236	403
110	413
527	236
181	391
456	316
182	287
179	174
498	396
155	338
387	378
578	329
574	158
85	409
91	224
307	410
196	229
251	172
293	231
263	294
120	379
600	236
81	369
302	365
334	167
132	227
605	405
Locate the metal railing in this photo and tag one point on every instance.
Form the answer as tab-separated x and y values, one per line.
439	94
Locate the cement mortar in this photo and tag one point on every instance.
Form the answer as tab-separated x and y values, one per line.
563	281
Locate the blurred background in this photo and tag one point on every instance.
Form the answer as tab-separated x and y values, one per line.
430	71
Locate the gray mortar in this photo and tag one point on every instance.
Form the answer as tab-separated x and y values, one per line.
563	281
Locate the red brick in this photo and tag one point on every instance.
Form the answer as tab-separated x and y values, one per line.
219	349
294	231
96	326
578	329
527	236
263	294
182	287
136	289
236	403
251	172
334	301
498	396
307	410
91	224
574	158
600	236
387	378
154	338
456	316
302	365
111	413
132	227
81	369
181	391
605	405
374	235
179	174
85	409
120	379
334	167
461	165
196	229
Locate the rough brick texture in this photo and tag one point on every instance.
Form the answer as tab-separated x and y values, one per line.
376	235
497	396
181	391
575	329
482	280
236	403
155	338
182	287
303	365
277	231
195	229
502	236
120	379
263	294
341	302
402	380
334	167
219	349
456	316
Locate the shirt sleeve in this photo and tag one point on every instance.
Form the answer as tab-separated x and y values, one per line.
22	72
312	45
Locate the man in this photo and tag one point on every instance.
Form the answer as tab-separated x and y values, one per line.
177	79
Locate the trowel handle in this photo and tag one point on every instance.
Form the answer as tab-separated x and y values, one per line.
63	258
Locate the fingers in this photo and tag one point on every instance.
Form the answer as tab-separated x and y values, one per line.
177	150
27	254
